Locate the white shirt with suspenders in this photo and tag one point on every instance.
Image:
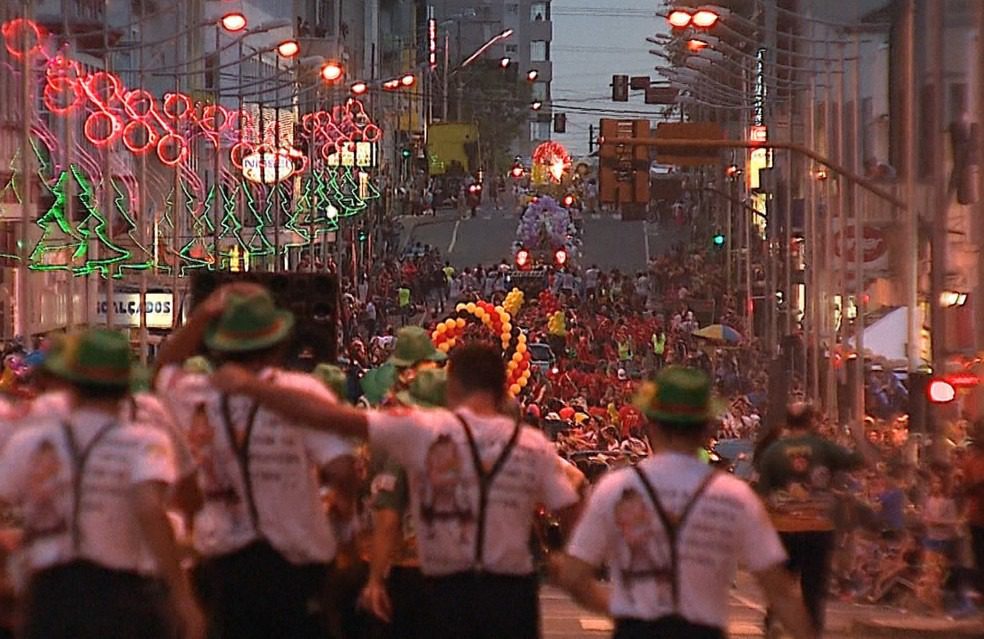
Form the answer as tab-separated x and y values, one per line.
71	478
467	520
672	532
257	471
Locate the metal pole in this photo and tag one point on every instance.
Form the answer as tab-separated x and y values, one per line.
914	324
69	123
107	188
828	261
856	205
217	204
23	310
813	291
143	219
939	235
447	70
978	214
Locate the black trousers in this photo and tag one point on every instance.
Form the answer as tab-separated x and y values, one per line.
809	558
255	593
82	600
476	605
669	627
977	544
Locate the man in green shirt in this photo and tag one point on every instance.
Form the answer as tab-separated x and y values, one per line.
795	474
403	299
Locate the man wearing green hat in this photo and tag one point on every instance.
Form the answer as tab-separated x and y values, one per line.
261	530
395	589
671	530
476	479
92	488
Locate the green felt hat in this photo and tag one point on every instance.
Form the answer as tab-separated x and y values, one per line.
413	345
427	389
197	364
249	323
95	357
334	378
679	395
377	382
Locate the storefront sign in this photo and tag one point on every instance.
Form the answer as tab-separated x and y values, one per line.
267	168
126	309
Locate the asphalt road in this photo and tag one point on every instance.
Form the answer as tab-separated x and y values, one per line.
487	238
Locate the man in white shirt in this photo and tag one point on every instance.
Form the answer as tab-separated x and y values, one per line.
476	477
261	529
671	531
98	550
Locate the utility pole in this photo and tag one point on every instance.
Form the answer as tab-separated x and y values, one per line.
935	28
914	323
978	215
591	139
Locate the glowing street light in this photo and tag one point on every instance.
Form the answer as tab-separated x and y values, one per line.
940	391
233	22
704	19
288	48
331	71
696	45
504	62
537	105
532	75
359	88
679	19
408	80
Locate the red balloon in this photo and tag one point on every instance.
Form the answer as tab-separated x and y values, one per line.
566	412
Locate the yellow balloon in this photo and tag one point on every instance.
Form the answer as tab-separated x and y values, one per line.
460	322
521	348
443	347
498	309
517	357
450	324
522	338
470	307
506	327
451	342
460	306
523	381
440	328
515	389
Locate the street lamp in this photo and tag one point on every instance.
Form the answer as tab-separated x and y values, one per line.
532	75
233	21
288	48
504	62
679	19
359	88
331	71
537	105
408	80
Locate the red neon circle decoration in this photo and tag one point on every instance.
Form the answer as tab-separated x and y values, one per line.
129	132
372	133
97	137
177	106
177	154
238	152
15	38
104	89
139	104
62	95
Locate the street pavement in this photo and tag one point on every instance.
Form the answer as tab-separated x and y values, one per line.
487	238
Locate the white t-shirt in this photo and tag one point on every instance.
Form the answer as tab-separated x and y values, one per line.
727	525
37	474
283	464
444	489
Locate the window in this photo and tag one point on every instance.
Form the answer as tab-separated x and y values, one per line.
539	51
512	49
539	91
539	130
539	11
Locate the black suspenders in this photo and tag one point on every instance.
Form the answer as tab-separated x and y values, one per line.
80	458
673	525
241	451
485	480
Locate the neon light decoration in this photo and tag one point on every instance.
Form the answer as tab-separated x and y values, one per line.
551	162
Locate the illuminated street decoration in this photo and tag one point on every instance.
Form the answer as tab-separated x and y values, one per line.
114	117
551	162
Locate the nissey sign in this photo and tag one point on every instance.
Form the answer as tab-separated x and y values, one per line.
126	309
267	168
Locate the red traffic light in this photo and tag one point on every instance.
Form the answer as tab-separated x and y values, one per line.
560	257
517	171
522	258
940	391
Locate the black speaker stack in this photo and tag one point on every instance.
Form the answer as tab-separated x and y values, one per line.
312	297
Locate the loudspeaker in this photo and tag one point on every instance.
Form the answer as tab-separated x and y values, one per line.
312	297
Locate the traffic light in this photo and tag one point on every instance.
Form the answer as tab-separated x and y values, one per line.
560	123
718	240
363	236
522	258
405	153
620	88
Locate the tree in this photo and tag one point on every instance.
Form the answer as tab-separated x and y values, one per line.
499	104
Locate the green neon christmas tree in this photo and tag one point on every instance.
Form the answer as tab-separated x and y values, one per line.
94	223
143	259
197	252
